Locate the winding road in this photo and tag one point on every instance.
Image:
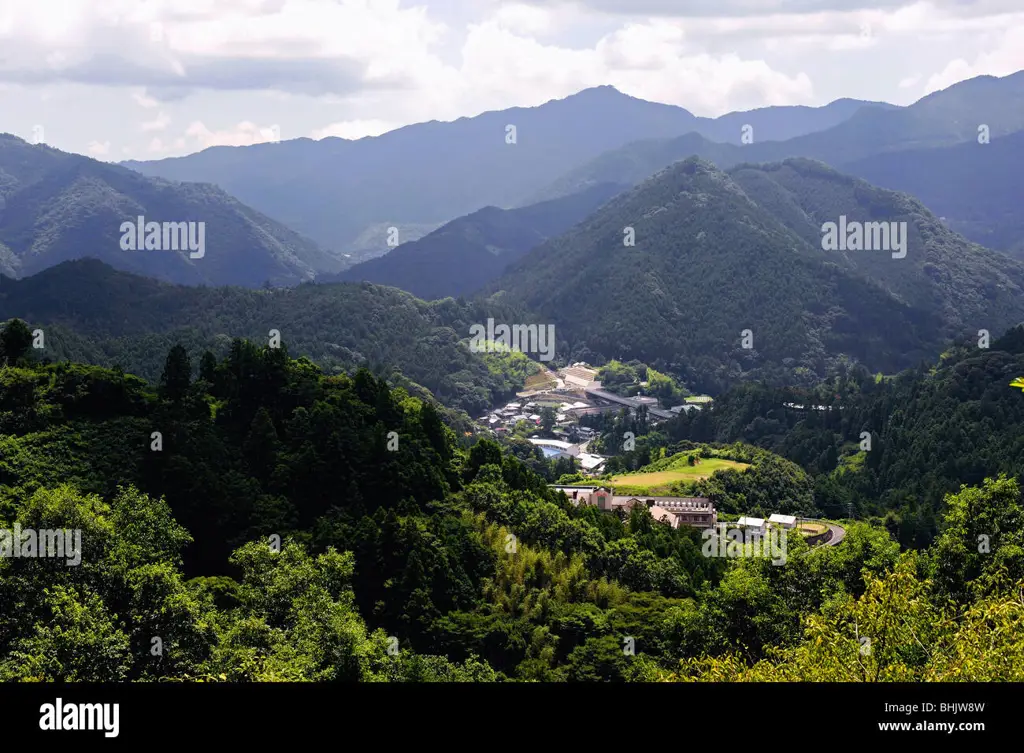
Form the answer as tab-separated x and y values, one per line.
838	532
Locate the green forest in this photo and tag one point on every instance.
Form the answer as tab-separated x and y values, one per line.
253	518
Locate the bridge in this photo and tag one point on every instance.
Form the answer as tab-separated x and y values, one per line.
628	402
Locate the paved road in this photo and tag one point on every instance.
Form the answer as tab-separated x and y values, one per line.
838	532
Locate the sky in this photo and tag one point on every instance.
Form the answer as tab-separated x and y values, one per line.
148	79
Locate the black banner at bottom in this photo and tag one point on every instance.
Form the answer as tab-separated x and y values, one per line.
128	714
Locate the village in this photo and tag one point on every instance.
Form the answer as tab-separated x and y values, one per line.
574	392
570	394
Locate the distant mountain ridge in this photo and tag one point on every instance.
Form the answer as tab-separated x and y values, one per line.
332	190
58	207
464	255
933	149
977	188
944	118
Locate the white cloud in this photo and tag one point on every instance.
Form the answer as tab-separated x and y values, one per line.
652	60
144	101
354	129
524	19
1005	57
245	133
96	149
160	123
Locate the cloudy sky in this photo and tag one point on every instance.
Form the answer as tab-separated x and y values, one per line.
144	79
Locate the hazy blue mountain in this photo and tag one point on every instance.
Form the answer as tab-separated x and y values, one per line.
978	189
782	123
467	253
55	207
944	118
332	190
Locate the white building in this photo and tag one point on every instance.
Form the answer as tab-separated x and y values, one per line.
783	521
591	463
557	448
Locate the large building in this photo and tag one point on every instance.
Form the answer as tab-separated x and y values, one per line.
698	512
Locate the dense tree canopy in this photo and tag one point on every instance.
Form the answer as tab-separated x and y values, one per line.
267	521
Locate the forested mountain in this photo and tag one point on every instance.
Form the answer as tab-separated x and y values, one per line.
95	314
976	188
466	254
332	190
273	523
56	206
944	118
718	254
968	287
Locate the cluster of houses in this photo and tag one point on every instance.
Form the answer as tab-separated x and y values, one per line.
697	512
576	393
504	420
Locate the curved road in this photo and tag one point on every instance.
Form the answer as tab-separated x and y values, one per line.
838	532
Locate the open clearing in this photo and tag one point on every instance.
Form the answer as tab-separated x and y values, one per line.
812	529
660	482
542	380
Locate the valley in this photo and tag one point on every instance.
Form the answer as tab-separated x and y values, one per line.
638	395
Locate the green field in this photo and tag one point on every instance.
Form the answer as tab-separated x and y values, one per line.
659	483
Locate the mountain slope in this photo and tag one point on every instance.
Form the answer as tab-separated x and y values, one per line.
712	258
944	118
976	188
57	207
93	313
466	254
968	286
332	190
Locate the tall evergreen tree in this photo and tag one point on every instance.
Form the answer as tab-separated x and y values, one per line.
177	375
208	367
15	340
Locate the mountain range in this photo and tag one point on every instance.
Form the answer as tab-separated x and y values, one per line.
956	149
333	189
726	243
